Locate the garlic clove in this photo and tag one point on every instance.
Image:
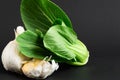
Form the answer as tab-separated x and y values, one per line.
48	68
11	57
39	68
32	69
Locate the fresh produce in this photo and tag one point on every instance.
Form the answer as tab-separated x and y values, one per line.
14	61
11	57
49	37
49	32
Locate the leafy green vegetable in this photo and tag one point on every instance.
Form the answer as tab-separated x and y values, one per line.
49	32
31	44
41	14
63	42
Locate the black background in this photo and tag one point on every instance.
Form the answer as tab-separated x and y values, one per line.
97	23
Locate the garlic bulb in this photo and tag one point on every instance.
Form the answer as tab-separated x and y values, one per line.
39	68
14	61
11	58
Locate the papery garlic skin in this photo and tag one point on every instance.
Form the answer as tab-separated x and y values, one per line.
49	68
12	59
39	68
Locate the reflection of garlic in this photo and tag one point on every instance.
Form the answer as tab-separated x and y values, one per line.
14	61
39	68
11	57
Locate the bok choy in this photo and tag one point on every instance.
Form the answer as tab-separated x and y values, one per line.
50	33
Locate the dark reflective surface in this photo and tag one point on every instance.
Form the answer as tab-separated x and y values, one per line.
97	23
99	68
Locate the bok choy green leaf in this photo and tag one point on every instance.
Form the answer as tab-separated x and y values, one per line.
63	42
49	33
31	44
41	14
